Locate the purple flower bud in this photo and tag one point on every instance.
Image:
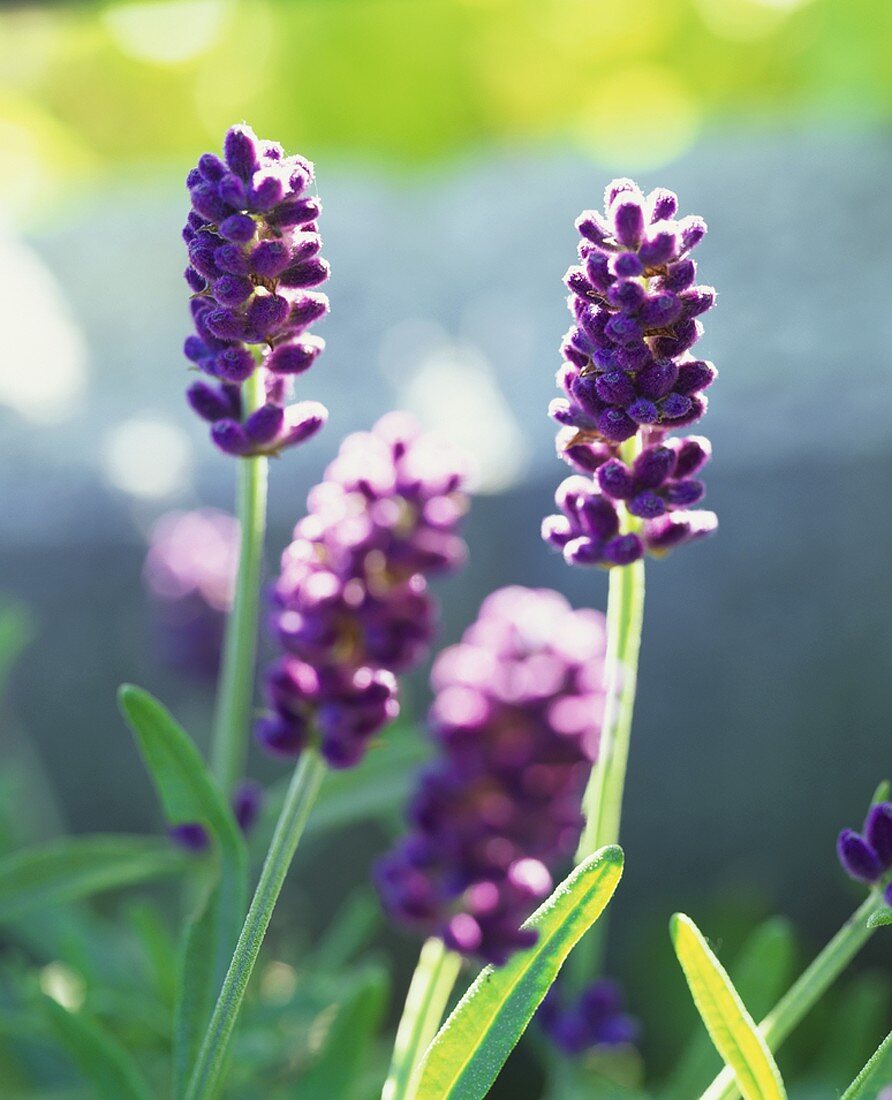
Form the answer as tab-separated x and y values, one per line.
231	259
306	273
693	230
231	438
208	402
858	858
295	357
211	168
265	424
232	290
234	364
628	221
680	275
300	212
247	800
232	191
266	191
266	315
659	248
270	258
241	151
663	204
239	228
593	227
878	833
191	835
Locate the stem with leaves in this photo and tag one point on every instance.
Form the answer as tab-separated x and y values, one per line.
296	809
426	1000
236	686
808	990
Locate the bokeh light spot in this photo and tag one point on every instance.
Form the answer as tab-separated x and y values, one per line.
166	32
148	458
43	367
641	117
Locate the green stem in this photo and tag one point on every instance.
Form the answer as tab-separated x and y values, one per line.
236	686
602	804
429	991
299	801
808	990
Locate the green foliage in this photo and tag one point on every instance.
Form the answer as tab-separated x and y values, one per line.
880	918
727	1020
761	972
470	1049
102	1060
335	1071
77	867
16	632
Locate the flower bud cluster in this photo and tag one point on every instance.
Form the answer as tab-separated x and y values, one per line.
867	856
351	606
516	720
253	244
628	372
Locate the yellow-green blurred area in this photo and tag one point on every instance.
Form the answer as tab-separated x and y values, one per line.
86	88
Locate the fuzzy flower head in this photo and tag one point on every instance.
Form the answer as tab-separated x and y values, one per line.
516	720
351	606
254	263
867	856
628	372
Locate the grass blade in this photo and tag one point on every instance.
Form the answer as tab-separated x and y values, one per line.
470	1049
730	1026
76	867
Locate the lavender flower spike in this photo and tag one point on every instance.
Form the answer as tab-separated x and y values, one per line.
516	720
628	373
597	1019
351	607
254	260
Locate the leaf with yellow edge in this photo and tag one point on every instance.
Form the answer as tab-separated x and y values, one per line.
730	1026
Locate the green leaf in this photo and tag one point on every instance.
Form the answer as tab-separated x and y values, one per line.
876	1073
730	1026
76	867
195	989
187	794
470	1049
103	1061
335	1072
761	972
880	918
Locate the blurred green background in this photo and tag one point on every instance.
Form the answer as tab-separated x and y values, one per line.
455	142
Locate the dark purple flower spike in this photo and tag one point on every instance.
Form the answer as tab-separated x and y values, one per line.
867	856
253	265
351	606
516	720
628	373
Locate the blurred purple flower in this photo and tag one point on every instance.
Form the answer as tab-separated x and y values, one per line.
516	719
351	606
597	1019
253	246
628	371
190	572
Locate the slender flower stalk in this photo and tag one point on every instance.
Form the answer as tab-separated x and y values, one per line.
429	992
296	809
235	691
602	804
808	989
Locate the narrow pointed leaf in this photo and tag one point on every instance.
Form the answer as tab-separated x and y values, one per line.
98	1055
876	1073
470	1049
188	793
76	867
730	1026
761	972
195	989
